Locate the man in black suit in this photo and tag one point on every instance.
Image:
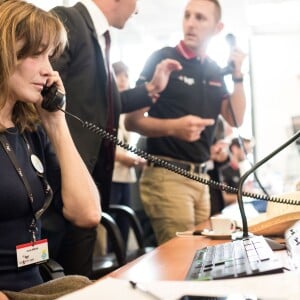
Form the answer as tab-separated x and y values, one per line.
85	72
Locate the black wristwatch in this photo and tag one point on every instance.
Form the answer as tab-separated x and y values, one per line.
237	79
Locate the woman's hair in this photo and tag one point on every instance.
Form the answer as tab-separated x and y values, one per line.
38	30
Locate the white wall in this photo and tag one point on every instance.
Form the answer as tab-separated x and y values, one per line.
46	4
276	93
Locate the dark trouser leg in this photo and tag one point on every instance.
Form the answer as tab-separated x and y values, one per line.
76	252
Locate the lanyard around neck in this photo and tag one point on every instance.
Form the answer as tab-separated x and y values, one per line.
39	171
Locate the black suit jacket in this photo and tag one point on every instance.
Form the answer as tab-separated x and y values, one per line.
82	69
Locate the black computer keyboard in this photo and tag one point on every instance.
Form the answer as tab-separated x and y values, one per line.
239	258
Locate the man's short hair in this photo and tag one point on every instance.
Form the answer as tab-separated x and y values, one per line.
236	142
218	9
120	67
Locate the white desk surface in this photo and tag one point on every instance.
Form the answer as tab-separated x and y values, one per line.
285	286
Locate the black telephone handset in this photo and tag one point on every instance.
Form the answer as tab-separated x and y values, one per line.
53	99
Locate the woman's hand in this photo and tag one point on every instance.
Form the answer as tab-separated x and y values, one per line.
3	296
54	78
51	118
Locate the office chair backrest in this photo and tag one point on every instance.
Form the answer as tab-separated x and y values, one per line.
114	234
105	264
134	223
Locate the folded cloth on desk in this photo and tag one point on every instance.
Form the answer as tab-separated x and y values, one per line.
233	211
284	286
277	218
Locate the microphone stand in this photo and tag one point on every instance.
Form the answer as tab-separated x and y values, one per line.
249	172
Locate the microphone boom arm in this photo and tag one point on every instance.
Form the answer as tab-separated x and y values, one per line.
249	172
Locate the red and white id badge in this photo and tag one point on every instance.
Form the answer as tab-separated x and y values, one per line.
32	253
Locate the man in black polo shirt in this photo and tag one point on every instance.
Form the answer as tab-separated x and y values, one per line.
181	124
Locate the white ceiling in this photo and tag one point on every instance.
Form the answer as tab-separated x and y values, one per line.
156	19
161	19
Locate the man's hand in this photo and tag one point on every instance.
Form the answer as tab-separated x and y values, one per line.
129	160
219	151
189	128
237	57
161	77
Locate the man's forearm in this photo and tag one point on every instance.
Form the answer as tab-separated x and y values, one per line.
236	104
149	126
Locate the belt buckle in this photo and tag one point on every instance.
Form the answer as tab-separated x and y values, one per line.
203	168
198	168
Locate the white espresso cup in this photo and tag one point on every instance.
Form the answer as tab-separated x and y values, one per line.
222	225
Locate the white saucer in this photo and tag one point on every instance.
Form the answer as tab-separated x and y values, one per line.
211	234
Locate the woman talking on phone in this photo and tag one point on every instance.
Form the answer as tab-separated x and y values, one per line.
38	160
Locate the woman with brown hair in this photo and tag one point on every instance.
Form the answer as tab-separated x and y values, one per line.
39	161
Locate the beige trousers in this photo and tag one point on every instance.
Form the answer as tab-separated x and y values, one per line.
173	202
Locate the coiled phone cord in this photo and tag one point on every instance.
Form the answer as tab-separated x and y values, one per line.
169	166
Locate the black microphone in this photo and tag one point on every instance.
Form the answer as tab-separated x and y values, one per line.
245	176
231	41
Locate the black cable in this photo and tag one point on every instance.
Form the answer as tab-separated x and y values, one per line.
242	145
169	166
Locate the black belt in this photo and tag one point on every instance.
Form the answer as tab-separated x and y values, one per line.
190	167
